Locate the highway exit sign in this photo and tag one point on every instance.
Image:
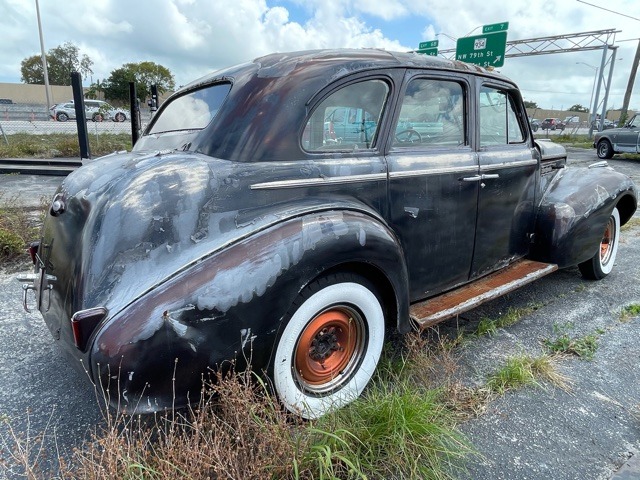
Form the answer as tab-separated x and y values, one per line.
428	45
486	50
429	51
495	27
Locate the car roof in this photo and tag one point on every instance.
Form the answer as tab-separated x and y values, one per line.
250	125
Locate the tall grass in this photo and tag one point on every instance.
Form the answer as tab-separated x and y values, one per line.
25	145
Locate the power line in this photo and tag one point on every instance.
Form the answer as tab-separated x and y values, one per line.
606	9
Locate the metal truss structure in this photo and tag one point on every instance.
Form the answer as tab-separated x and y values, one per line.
572	42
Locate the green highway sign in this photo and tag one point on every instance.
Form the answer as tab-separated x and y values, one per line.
428	45
484	50
428	51
495	27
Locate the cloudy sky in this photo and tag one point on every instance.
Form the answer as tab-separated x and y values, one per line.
194	37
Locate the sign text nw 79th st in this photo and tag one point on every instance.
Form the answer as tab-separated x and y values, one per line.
486	50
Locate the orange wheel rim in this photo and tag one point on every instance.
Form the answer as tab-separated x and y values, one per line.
607	243
327	347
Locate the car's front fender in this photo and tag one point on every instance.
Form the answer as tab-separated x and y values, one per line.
574	211
229	306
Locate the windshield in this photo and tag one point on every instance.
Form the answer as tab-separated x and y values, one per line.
192	111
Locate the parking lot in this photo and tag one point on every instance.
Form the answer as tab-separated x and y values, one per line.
587	432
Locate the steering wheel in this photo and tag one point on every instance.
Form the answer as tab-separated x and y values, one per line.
408	136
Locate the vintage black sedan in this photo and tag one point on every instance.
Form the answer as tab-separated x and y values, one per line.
243	227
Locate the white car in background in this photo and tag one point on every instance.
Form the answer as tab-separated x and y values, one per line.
96	110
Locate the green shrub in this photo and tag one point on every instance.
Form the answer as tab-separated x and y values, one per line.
11	245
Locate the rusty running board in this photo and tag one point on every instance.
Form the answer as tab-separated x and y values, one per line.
450	304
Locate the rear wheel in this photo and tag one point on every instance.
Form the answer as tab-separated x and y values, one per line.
330	345
601	264
97	117
120	117
604	149
62	117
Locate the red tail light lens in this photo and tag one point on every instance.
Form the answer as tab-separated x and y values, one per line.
33	251
84	322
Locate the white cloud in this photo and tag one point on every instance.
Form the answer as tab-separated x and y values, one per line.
194	37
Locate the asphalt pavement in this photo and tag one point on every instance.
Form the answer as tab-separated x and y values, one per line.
589	432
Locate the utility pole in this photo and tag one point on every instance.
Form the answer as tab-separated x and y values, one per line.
632	79
44	59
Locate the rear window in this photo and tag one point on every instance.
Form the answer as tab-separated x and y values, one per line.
191	111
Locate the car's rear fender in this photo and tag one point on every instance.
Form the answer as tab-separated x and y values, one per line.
574	210
229	305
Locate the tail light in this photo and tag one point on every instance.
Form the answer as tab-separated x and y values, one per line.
84	322
33	251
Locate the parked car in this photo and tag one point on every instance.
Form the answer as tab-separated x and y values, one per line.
606	124
552	124
235	231
535	124
618	140
96	110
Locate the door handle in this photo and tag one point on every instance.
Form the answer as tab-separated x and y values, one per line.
489	176
475	178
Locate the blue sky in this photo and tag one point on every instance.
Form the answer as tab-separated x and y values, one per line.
195	37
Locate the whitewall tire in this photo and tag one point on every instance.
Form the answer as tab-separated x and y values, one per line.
330	346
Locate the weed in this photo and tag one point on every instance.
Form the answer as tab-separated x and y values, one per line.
17	228
563	327
584	347
513	315
629	312
524	370
515	373
394	431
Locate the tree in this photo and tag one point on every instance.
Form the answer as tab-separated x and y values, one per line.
144	74
578	108
61	61
528	104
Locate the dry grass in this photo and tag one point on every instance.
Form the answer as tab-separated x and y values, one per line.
237	431
17	228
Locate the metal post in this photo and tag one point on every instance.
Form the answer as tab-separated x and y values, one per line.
607	87
153	102
135	113
605	50
81	115
4	135
44	59
627	94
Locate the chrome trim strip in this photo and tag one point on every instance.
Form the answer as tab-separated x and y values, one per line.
433	171
500	166
314	182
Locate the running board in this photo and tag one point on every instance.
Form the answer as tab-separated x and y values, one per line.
471	295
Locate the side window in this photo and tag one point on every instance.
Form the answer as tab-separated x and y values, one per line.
498	119
432	114
347	119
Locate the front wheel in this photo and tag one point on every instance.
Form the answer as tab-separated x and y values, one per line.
601	264
120	117
604	149
330	346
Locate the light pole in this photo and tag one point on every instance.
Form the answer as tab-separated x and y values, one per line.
592	115
44	59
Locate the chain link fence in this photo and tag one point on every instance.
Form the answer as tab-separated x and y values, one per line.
18	120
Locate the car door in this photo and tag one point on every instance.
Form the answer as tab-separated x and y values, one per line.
629	136
432	206
507	178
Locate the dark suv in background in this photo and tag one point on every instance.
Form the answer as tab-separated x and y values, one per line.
552	124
